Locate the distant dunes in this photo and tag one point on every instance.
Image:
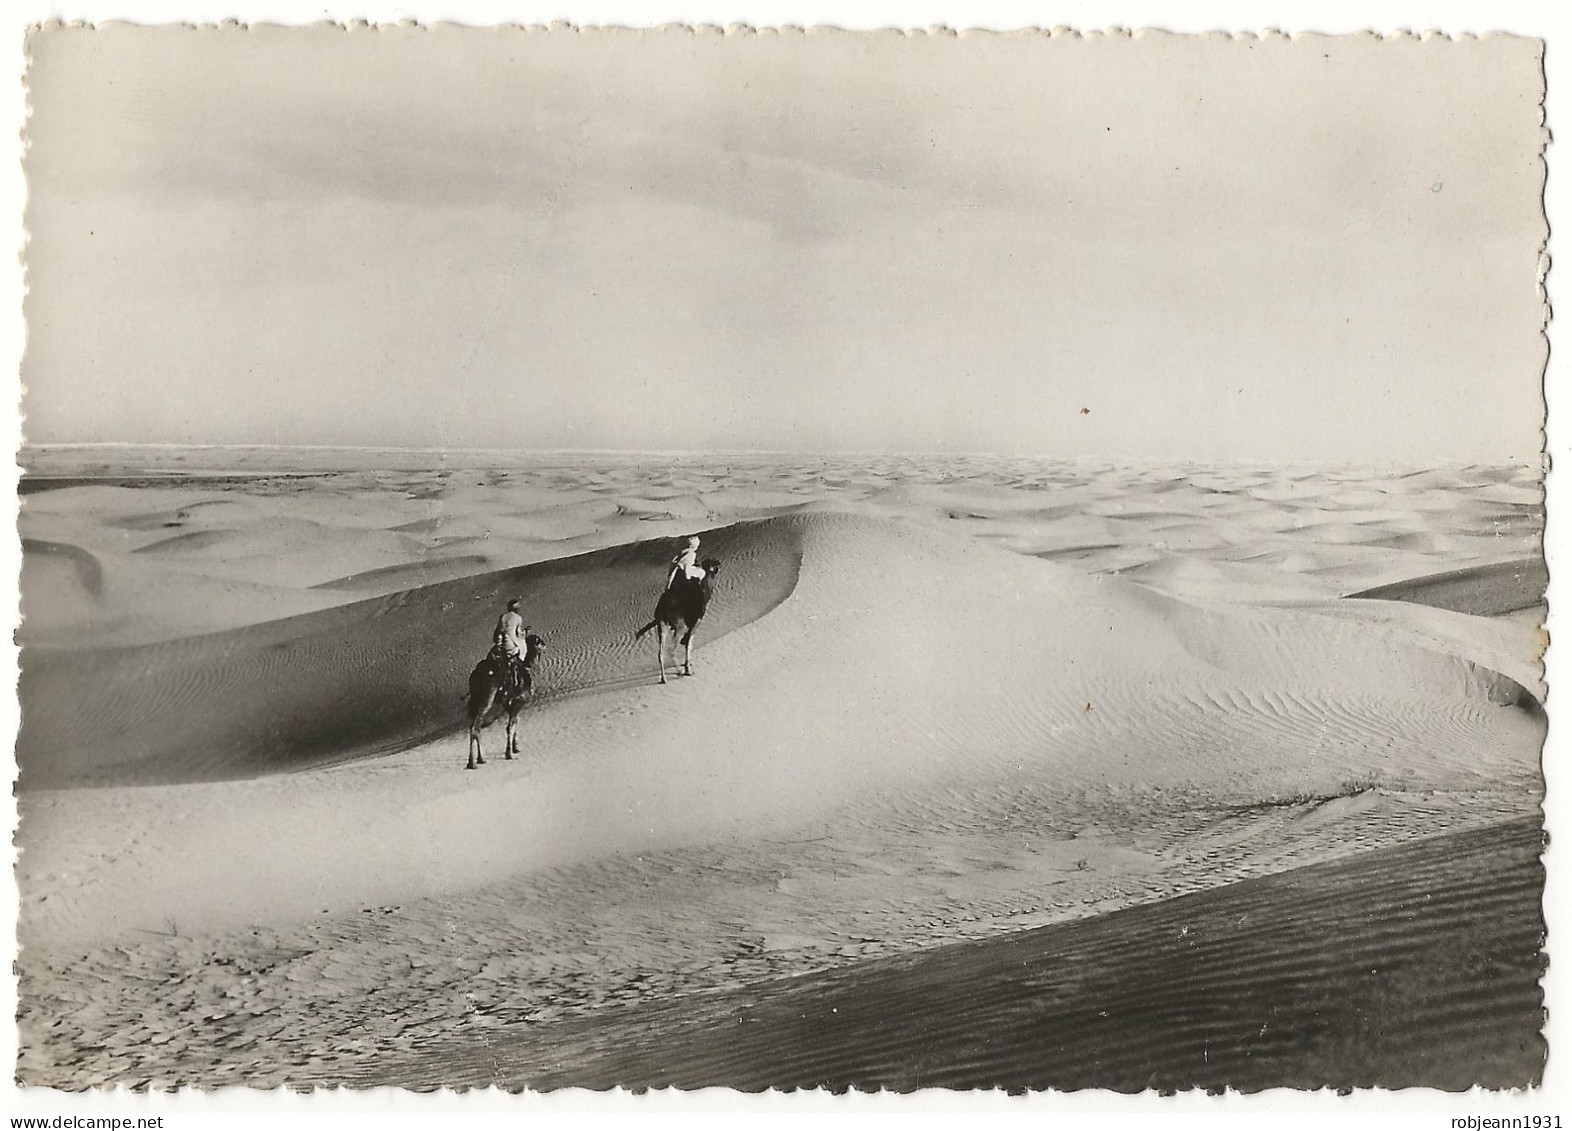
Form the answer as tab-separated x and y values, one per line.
82	564
195	540
411	575
252	546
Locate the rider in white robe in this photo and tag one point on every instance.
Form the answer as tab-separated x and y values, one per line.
686	564
511	636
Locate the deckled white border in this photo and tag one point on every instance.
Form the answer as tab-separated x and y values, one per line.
386	1107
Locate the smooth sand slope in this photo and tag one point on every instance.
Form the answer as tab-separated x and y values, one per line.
1490	590
354	680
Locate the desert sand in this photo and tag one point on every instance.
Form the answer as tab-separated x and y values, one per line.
1226	988
940	704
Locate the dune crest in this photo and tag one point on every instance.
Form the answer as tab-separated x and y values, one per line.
880	668
353	680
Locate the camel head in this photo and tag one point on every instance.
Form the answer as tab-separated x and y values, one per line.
710	566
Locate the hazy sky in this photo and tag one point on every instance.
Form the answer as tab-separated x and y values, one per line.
1321	249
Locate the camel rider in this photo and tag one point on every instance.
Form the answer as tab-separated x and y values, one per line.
686	564
510	637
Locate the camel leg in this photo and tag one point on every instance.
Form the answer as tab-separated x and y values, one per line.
687	652
476	725
660	649
510	744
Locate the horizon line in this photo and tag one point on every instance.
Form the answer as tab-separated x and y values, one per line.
1449	460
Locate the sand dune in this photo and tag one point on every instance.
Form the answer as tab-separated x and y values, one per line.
74	600
982	666
1489	590
545	525
368	678
200	513
184	543
411	575
286	553
1506	652
353	681
1416	966
524	510
688	507
905	731
64	566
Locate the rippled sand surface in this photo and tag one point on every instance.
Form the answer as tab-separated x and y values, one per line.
938	702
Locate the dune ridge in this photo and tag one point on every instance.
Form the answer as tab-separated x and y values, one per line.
1246	533
355	680
385	674
980	669
1487	590
86	568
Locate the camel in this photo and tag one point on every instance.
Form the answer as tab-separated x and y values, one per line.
489	692
683	605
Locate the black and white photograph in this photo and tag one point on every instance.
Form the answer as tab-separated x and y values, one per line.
760	558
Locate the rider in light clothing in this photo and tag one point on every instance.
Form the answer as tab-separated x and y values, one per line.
510	636
686	564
